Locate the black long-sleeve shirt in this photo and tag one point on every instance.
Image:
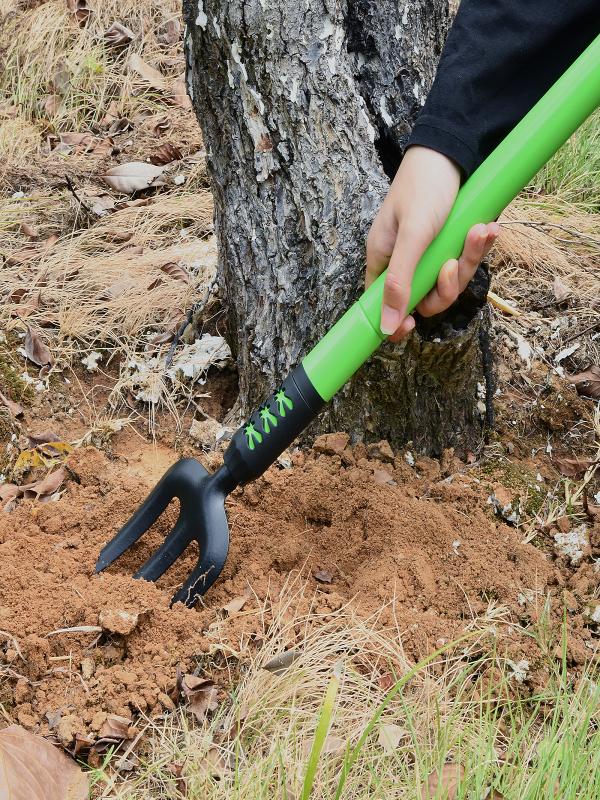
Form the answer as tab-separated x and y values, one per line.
500	57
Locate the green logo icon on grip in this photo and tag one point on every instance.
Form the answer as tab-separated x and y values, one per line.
268	419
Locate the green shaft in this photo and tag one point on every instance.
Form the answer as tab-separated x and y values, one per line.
506	171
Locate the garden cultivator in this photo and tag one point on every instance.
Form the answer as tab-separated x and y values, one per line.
349	343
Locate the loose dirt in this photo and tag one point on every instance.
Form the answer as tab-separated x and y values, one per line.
363	526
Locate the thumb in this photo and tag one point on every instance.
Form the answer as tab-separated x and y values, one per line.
408	249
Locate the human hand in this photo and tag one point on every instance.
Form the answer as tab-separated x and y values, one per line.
413	213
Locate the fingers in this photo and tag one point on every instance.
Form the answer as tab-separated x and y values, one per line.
408	249
455	275
405	328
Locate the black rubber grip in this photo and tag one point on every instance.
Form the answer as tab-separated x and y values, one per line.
273	427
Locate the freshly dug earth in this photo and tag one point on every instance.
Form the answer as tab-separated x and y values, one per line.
364	526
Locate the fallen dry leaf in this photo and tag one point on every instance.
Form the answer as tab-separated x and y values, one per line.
42	438
47	486
33	769
201	695
165	154
119	126
179	95
35	349
386	681
16	409
118	621
235	605
443	784
118	35
588	382
133	177
149	74
116	727
572	467
323	576
334	745
80	10
281	662
390	736
173	270
28	230
560	290
50	104
169	32
161	126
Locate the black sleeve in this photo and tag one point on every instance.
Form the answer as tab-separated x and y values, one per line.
500	57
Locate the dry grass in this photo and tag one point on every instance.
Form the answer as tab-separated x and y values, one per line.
460	707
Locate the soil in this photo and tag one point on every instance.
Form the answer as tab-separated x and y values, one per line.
362	525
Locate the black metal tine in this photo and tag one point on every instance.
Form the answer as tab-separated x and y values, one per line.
205	573
173	546
145	516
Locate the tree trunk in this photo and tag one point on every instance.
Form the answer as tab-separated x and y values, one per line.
305	108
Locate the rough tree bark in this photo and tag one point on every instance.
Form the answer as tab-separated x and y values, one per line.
305	107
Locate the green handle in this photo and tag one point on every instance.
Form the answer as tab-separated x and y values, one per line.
504	173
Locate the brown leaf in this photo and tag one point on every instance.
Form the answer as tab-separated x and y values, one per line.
201	695
176	272
16	409
572	467
116	727
42	438
165	154
235	605
281	662
28	230
386	681
179	95
8	491
560	290
31	768
148	74
323	576
35	349
51	104
133	177
161	126
588	382
119	126
443	784
80	10
118	35
169	32
47	486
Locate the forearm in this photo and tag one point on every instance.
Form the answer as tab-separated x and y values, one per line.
500	57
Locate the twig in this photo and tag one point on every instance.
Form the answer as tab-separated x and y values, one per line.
199	306
85	207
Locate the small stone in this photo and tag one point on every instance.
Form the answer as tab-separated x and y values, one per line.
117	621
595	613
331	444
88	667
381	450
382	477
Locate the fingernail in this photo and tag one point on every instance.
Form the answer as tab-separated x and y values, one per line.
390	320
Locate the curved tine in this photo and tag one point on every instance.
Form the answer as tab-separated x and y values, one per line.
205	573
152	507
173	546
